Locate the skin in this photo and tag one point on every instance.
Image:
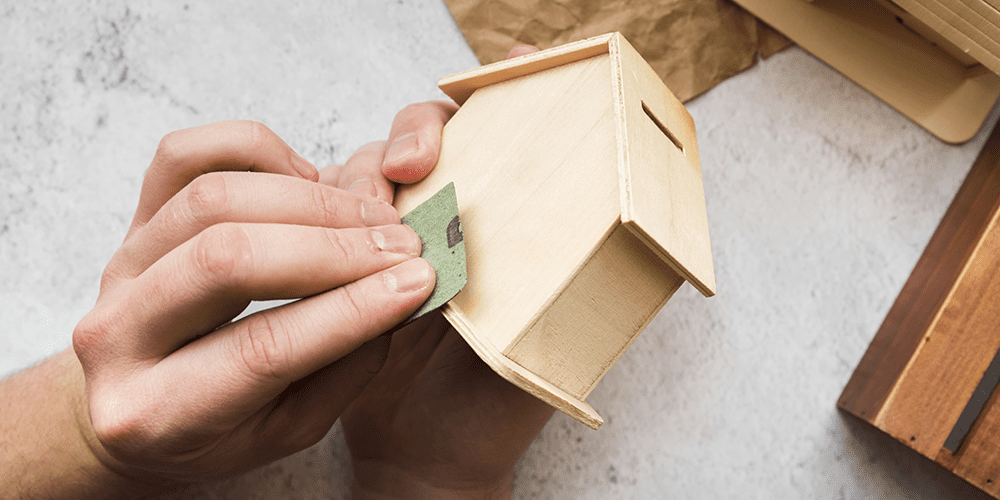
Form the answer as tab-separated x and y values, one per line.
163	388
437	422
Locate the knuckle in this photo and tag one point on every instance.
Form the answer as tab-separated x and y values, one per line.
326	204
87	334
342	247
121	428
94	333
223	253
111	274
112	425
207	198
257	136
414	109
168	150
351	306
265	349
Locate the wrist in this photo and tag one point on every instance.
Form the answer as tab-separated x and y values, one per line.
50	446
379	480
127	480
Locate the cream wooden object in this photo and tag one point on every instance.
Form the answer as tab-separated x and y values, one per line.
940	86
977	39
582	208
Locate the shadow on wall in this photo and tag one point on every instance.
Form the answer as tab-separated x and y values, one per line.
875	453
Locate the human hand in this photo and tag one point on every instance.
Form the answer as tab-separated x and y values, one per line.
436	422
176	389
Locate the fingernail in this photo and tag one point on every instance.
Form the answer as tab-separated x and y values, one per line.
397	238
401	148
364	186
305	169
409	276
377	213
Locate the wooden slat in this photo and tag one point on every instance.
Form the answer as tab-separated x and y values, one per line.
460	86
927	287
912	22
956	28
955	353
979	458
986	15
918	380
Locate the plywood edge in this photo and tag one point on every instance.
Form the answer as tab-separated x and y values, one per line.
621	128
461	85
927	288
519	375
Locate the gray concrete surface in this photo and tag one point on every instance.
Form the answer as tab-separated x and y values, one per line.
820	201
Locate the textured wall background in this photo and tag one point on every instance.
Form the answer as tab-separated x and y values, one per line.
820	200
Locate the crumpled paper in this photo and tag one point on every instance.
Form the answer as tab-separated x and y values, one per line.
692	44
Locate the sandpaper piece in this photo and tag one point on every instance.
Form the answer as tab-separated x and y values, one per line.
436	222
691	44
975	406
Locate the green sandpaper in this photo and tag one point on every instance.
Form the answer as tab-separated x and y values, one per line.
436	222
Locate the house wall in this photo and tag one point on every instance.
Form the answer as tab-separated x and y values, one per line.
534	165
577	339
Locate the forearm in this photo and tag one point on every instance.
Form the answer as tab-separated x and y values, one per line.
47	447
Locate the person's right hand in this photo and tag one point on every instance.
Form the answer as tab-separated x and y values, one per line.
229	214
437	422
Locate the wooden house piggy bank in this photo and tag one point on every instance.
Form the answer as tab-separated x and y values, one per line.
582	207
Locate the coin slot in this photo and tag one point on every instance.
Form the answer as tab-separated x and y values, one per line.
662	128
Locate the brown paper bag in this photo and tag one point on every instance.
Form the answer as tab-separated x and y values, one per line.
692	44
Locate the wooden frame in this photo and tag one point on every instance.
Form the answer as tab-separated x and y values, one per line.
580	193
928	377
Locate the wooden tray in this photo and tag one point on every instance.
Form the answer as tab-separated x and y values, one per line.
928	377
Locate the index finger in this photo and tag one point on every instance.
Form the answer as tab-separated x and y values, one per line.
229	145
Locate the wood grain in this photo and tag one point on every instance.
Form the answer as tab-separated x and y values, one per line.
961	25
520	376
580	194
941	335
537	189
663	200
928	286
598	316
956	349
460	86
